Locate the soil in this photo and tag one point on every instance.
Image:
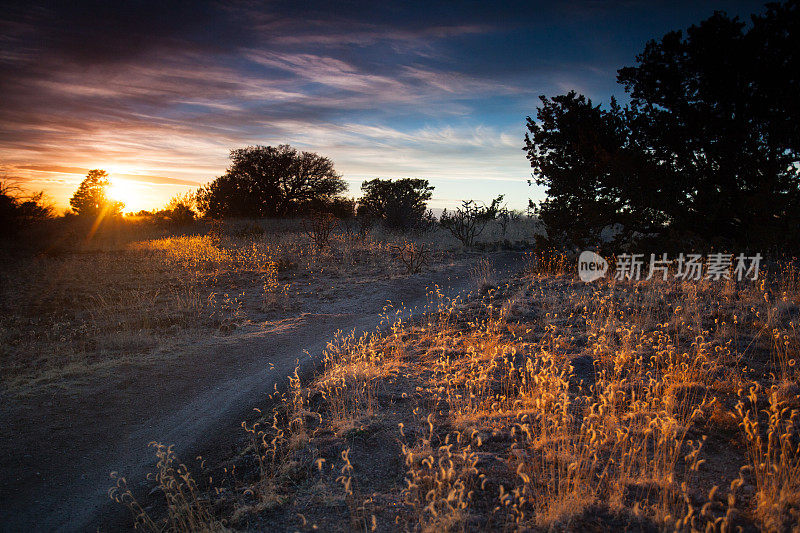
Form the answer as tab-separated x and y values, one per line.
57	448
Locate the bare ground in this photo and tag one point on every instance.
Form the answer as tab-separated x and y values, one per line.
58	446
515	411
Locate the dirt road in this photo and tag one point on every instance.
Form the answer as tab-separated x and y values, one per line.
56	451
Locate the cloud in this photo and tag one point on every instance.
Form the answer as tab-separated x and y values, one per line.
54	169
411	40
161	91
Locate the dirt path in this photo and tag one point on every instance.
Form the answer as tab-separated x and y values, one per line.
56	451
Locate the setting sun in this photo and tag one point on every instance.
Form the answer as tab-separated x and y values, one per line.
127	192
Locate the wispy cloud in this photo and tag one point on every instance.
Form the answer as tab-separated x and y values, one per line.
160	92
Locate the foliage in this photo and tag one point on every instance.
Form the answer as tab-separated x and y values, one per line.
506	216
268	181
319	227
413	256
228	197
469	220
339	207
710	143
574	407
180	210
90	198
18	211
400	204
594	170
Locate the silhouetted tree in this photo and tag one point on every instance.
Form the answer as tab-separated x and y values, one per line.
401	204
268	181
718	109
709	145
18	211
229	197
90	198
340	207
594	171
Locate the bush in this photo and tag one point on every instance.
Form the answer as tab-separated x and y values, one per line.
401	204
180	210
18	211
469	220
319	227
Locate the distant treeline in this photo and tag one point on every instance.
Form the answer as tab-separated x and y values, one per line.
261	182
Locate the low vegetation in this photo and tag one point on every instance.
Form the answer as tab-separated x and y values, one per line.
468	221
75	309
543	403
19	210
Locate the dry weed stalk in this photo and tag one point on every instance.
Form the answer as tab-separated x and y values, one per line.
773	446
319	227
187	507
413	256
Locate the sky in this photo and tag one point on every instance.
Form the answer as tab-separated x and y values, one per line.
157	93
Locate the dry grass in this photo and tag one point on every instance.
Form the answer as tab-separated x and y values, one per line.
74	314
545	404
187	508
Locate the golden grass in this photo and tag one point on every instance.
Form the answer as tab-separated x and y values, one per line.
75	315
548	404
187	508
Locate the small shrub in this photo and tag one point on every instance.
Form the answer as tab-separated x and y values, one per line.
319	227
400	204
18	211
253	230
469	220
412	256
180	211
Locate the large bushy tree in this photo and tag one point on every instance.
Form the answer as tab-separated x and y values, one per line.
91	200
592	166
401	204
709	145
270	181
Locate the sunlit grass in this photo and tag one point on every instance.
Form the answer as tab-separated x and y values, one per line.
549	403
76	311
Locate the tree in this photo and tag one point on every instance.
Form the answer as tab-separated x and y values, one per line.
709	144
340	207
268	181
229	197
469	220
180	209
18	211
401	204
594	171
719	112
90	198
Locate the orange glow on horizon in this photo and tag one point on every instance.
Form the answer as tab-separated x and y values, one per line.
129	193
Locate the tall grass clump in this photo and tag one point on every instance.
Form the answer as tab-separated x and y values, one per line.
187	507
